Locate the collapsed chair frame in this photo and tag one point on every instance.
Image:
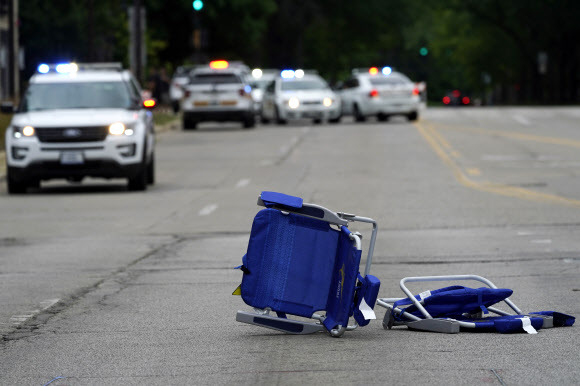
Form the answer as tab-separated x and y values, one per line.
443	325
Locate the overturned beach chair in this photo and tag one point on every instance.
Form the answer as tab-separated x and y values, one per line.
451	309
302	260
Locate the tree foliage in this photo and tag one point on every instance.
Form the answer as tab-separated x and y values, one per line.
494	49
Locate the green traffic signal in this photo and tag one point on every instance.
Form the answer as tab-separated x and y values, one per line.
197	5
423	51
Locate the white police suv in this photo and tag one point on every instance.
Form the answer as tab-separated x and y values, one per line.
218	92
381	93
299	94
80	120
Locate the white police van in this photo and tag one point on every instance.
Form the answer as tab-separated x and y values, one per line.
77	121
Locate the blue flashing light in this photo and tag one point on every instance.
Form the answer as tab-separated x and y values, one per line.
43	68
62	68
387	70
287	74
248	89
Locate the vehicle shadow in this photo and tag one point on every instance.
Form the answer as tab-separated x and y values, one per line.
85	188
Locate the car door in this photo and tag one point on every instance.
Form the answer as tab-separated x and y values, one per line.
269	101
348	95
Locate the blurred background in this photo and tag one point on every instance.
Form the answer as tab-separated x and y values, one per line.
499	52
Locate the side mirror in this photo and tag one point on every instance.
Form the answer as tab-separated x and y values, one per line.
7	107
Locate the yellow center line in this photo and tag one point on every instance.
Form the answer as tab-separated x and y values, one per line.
431	136
515	135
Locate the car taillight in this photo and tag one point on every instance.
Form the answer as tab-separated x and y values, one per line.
374	93
416	91
446	100
465	100
242	92
187	93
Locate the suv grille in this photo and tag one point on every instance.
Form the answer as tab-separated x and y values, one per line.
72	134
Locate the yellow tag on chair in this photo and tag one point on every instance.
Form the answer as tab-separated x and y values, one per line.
238	291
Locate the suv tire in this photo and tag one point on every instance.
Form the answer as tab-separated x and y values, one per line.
413	116
138	182
249	122
358	116
189	123
151	170
13	186
279	120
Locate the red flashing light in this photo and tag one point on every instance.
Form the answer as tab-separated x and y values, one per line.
456	93
373	71
446	100
374	93
219	64
465	100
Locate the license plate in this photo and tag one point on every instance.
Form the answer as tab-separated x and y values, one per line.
72	158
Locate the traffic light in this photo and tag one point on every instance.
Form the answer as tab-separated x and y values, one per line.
197	5
423	51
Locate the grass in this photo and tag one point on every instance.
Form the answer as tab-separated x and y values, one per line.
164	116
4	122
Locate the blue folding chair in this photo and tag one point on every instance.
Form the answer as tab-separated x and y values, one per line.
451	309
302	260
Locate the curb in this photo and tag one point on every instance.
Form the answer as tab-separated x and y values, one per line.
173	125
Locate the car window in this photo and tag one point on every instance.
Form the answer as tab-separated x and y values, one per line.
312	84
271	86
351	83
389	80
215	79
77	95
135	89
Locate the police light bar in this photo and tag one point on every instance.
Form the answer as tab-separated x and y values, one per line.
71	68
219	64
296	74
387	70
287	74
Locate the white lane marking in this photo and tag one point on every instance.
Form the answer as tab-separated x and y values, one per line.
521	119
541	241
243	182
525	233
44	305
207	210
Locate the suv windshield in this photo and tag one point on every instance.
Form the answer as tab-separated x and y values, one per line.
94	95
313	84
215	79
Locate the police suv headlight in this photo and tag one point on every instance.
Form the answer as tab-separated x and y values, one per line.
293	103
327	102
119	128
24	131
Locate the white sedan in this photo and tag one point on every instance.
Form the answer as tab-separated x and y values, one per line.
380	93
300	95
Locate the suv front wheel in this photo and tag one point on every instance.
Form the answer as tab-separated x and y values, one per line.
13	186
138	182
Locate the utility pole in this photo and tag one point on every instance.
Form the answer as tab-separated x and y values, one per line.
9	50
136	40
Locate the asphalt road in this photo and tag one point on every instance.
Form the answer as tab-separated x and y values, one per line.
104	286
